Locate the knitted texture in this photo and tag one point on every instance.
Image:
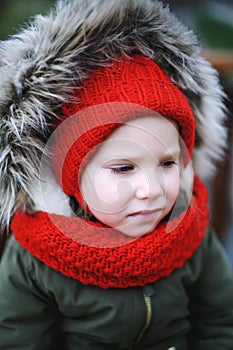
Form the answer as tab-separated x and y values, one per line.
123	90
126	264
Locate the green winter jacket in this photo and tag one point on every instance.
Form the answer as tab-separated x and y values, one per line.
40	309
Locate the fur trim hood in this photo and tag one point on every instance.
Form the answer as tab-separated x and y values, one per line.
40	66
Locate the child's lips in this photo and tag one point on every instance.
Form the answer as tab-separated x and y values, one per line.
145	215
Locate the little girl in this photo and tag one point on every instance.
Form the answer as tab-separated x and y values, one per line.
105	108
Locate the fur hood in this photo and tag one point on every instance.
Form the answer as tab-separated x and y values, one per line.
40	66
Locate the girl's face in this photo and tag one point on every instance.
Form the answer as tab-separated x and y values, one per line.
132	181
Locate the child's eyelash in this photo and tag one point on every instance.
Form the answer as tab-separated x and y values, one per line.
168	163
122	169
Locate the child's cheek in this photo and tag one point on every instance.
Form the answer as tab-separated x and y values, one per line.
112	195
172	185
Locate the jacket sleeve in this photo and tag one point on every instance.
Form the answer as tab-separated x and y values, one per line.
212	299
26	320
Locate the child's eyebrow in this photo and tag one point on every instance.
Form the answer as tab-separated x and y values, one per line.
172	152
121	159
175	153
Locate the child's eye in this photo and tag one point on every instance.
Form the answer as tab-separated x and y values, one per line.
168	163
122	169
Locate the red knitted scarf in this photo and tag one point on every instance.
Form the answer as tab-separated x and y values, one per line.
107	258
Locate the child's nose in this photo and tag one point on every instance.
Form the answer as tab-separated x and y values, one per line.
149	185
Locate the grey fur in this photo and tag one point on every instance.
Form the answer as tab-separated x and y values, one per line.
41	65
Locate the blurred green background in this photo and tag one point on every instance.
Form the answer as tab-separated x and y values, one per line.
15	13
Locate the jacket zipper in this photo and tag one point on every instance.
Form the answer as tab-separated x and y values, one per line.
148	304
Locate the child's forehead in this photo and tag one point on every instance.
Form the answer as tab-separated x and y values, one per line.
155	135
147	126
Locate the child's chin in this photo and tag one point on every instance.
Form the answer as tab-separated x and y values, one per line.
136	232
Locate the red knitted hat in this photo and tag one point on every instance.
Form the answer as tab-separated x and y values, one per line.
111	95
